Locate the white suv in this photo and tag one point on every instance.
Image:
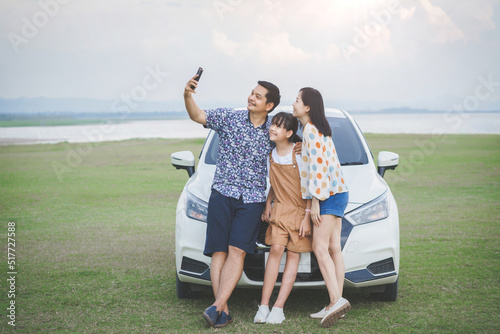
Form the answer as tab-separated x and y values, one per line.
370	227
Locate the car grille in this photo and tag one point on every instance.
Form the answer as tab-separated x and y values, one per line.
261	239
254	267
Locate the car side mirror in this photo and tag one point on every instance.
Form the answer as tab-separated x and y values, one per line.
183	160
387	160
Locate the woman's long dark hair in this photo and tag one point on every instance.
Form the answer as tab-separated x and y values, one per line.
286	120
312	98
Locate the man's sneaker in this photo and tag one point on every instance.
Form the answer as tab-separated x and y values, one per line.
261	316
210	315
223	320
340	308
276	316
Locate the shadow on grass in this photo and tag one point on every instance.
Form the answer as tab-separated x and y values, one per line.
244	303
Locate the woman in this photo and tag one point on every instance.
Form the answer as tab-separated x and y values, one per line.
323	181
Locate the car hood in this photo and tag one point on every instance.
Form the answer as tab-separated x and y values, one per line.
364	184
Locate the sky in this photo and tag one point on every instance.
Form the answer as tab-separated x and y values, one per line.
360	54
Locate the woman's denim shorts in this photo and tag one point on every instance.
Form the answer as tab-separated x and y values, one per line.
334	205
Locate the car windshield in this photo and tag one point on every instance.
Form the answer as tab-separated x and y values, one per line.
347	142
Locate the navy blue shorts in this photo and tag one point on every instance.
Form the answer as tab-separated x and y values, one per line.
334	205
230	222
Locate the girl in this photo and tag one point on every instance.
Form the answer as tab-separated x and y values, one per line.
289	221
323	181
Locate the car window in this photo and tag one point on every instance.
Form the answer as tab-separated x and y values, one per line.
211	157
347	142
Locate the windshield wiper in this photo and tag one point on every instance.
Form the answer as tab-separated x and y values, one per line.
351	163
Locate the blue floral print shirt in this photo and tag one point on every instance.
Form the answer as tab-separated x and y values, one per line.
242	158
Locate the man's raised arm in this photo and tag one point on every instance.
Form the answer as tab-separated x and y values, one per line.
195	113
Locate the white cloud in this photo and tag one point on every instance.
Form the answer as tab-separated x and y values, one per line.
446	30
271	48
277	49
381	45
100	49
223	44
333	52
474	17
407	13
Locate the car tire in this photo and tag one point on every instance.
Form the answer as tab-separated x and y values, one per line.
184	290
390	293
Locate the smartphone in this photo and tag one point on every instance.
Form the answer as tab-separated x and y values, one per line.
198	74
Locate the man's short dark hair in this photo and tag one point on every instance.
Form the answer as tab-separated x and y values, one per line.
273	93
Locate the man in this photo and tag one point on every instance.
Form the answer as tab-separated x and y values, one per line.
238	190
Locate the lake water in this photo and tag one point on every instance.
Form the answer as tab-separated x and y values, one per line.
424	123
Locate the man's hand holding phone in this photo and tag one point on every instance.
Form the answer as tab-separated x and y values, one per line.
195	113
193	83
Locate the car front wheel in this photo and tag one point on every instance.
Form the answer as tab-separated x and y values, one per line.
184	289
390	292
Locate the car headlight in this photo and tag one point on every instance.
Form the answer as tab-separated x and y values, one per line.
372	211
196	208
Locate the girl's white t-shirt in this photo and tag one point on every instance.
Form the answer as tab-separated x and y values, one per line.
284	160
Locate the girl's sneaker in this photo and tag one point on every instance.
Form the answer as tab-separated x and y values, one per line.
261	316
276	316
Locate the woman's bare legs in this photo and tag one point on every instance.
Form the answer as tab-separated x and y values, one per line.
326	246
336	255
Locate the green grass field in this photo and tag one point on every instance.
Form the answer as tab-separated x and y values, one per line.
94	242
